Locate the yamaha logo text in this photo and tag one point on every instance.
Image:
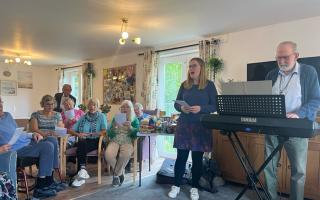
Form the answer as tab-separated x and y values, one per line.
248	119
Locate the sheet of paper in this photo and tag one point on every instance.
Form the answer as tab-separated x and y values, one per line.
120	118
60	131
182	103
17	133
70	114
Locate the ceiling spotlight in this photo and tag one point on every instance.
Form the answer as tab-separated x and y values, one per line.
6	61
17	59
136	40
124	35
122	41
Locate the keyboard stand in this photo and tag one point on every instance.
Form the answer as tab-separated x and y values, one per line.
252	175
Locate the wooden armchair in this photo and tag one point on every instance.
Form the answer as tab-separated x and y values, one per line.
95	153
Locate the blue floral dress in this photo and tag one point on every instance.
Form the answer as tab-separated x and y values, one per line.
7	190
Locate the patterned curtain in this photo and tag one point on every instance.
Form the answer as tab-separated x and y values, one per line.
85	85
206	51
59	78
150	83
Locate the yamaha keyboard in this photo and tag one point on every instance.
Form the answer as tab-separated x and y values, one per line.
286	127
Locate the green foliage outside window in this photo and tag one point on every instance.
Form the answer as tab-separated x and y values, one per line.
173	76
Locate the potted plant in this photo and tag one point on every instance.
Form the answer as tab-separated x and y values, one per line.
90	70
105	108
215	65
82	107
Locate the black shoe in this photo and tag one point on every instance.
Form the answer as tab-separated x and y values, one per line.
45	192
58	186
121	177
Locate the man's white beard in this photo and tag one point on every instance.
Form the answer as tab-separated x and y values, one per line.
285	67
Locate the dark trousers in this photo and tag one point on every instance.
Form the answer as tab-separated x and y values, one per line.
84	146
180	166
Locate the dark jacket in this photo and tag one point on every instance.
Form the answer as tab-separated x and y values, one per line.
58	97
310	90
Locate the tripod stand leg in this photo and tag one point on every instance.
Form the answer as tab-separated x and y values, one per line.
255	174
243	163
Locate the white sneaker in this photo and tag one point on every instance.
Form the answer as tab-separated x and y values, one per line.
174	191
83	174
78	182
194	195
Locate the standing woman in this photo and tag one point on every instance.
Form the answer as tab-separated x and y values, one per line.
200	93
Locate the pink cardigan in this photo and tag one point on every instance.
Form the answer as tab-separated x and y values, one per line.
69	123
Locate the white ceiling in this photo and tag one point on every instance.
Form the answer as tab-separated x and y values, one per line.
59	32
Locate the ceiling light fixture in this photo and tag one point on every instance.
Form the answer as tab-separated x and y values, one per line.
18	60
125	34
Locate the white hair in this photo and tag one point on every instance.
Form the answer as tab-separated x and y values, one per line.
138	105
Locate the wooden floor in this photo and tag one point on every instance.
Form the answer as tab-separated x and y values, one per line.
91	185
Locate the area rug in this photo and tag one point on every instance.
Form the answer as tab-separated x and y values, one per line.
151	190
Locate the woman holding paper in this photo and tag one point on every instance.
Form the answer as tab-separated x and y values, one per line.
44	121
70	115
32	145
123	130
88	129
199	97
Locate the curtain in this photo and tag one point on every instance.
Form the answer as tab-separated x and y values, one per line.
59	79
150	82
85	85
206	50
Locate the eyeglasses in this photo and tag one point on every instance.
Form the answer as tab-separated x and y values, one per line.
284	57
49	104
193	66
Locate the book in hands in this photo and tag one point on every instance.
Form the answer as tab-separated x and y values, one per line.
182	103
120	118
17	133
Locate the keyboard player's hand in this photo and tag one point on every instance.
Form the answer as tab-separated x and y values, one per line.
292	115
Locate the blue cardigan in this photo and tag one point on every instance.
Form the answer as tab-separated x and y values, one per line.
310	90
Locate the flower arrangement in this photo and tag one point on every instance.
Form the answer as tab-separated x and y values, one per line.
105	108
82	107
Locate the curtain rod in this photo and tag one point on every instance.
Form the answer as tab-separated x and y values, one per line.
173	48
69	67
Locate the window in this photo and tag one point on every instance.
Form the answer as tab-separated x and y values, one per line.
173	68
73	76
172	72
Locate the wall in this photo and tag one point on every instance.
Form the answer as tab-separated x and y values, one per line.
28	100
256	45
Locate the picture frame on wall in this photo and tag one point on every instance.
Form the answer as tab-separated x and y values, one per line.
119	83
8	88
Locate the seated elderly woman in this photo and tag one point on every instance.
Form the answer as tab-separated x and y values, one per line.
121	136
33	145
44	121
88	130
70	116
